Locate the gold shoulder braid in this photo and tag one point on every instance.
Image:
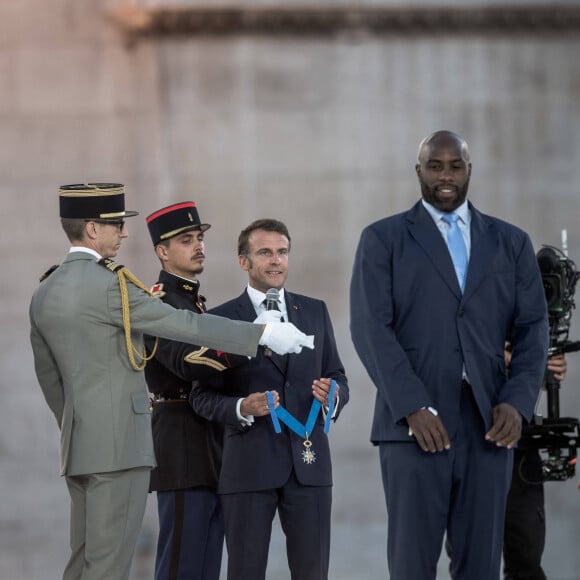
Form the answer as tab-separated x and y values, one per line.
123	274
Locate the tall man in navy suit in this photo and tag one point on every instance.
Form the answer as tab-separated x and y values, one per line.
435	291
263	472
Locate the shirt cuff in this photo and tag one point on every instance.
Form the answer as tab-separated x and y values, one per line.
325	408
245	421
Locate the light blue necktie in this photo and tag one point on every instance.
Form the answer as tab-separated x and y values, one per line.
457	248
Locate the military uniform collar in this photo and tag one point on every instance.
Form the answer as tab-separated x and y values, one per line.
179	284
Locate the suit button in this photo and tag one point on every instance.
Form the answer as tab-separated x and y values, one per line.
461	312
286	384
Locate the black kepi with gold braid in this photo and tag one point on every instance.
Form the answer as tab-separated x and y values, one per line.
94	201
173	220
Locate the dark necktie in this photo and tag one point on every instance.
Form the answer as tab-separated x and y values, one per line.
276	307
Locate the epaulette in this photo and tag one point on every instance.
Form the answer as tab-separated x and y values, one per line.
48	273
110	264
157	290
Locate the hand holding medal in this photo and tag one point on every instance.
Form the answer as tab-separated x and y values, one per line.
257	404
323	390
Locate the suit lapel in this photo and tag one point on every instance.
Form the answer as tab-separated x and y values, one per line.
423	229
245	311
295	315
292	309
483	244
245	308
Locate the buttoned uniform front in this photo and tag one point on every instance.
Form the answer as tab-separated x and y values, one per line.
99	401
416	332
187	447
256	459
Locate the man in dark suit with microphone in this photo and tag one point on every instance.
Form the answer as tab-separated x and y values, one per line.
434	293
263	471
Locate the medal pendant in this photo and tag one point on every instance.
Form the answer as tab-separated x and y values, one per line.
308	456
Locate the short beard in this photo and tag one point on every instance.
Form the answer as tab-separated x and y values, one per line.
429	194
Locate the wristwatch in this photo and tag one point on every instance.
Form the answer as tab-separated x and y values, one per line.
431	410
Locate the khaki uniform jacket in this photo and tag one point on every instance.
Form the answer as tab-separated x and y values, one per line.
81	361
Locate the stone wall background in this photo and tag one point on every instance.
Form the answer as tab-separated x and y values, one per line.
320	132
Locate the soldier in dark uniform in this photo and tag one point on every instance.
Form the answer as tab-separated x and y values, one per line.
187	447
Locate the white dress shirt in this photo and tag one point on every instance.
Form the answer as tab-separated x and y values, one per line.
86	250
464	222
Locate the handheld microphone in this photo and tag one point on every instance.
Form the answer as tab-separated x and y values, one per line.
272	297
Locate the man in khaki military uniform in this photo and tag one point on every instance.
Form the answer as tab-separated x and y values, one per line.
88	318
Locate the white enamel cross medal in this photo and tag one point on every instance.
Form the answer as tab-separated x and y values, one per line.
308	456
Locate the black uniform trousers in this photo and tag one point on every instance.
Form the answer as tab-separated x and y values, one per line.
525	522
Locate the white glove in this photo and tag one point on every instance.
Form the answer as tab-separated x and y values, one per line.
284	338
268	316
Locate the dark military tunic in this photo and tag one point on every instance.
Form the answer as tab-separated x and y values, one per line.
187	447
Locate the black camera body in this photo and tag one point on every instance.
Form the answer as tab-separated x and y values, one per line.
559	276
557	438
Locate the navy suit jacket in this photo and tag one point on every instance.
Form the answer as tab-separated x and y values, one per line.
256	458
413	329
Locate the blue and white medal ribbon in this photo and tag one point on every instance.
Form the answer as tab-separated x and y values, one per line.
281	414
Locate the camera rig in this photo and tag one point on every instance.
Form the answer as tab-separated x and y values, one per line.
556	438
